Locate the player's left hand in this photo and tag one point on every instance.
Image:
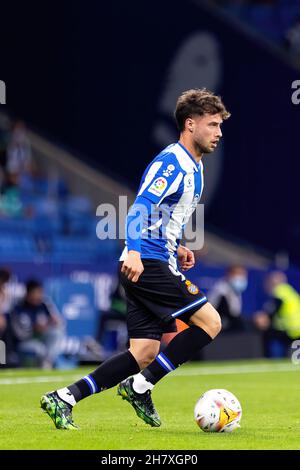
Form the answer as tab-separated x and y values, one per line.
186	258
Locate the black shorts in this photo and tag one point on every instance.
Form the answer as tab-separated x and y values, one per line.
157	299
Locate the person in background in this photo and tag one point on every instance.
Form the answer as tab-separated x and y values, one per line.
19	156
19	171
226	297
37	327
280	318
4	302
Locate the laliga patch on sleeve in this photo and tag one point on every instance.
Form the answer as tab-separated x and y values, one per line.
158	186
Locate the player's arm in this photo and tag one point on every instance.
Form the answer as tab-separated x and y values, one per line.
185	257
132	266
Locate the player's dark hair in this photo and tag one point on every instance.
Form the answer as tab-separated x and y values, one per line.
197	102
32	284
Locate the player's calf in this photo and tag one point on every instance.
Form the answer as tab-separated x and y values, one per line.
208	319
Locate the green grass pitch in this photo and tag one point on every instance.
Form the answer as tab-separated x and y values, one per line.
268	392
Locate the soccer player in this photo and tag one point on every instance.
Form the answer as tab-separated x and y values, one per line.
156	289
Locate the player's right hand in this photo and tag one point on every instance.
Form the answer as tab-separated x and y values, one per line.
132	266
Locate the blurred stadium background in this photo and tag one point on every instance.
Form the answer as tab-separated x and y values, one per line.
90	94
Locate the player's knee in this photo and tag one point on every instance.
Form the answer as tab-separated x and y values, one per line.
211	323
215	325
145	356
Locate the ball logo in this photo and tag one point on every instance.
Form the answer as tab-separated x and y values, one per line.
226	416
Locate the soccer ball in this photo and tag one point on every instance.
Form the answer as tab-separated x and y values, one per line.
218	411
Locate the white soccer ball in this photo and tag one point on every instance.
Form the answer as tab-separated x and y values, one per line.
218	411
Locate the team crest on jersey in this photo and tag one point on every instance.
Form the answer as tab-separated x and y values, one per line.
192	288
169	170
158	186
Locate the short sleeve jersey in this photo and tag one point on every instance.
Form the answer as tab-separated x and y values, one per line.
173	184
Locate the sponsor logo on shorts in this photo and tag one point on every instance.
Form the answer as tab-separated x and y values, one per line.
158	186
192	288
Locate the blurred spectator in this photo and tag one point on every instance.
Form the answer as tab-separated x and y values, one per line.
4	302
37	327
7	298
280	318
292	37
4	139
17	169
10	203
19	158
226	297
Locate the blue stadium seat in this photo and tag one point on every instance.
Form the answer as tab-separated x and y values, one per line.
108	247
84	249
80	224
78	204
15	225
46	226
64	231
19	247
70	248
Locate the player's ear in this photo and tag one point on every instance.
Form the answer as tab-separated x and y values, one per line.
189	124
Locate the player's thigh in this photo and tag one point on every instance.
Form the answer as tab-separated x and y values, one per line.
208	319
144	349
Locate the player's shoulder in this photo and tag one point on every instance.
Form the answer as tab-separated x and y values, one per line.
169	158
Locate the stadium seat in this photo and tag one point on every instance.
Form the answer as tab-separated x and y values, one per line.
15	225
19	247
70	249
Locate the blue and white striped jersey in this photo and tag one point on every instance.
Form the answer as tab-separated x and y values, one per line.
170	188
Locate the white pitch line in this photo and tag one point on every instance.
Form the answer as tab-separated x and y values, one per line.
31	380
226	370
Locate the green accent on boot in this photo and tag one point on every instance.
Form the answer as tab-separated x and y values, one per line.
59	411
141	402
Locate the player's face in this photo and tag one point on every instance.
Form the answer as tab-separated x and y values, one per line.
206	132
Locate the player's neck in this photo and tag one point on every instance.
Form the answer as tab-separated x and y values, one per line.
188	145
